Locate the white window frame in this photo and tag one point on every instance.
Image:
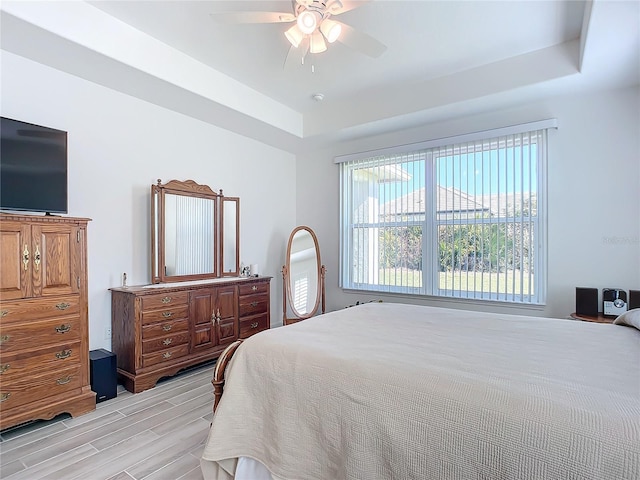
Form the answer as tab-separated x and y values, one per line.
430	223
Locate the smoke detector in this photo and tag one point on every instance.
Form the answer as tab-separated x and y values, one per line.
318	97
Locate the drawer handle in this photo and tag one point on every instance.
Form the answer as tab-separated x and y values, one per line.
5	396
4	313
63	306
215	317
167	327
254	325
167	341
4	338
254	304
254	288
167	314
63	354
25	257
36	260
5	367
64	380
166	355
63	328
166	300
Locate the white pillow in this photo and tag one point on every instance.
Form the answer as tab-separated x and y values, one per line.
630	318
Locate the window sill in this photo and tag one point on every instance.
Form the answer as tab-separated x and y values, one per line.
437	301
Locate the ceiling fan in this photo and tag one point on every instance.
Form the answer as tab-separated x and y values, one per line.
313	27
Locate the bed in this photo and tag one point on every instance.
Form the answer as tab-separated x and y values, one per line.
395	391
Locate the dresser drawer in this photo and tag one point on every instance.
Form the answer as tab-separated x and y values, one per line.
49	307
254	324
164	356
164	300
253	304
170	327
31	388
168	313
28	364
167	341
253	288
22	336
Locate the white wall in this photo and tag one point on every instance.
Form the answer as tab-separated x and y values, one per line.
593	195
119	146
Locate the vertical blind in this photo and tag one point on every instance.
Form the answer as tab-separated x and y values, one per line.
463	220
194	218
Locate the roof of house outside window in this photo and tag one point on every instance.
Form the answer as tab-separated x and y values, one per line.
453	203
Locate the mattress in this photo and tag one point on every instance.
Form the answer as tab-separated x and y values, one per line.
382	391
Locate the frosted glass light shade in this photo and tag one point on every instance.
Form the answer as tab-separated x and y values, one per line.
294	35
307	22
317	43
331	30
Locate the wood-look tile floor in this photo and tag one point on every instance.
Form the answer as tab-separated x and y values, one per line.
156	434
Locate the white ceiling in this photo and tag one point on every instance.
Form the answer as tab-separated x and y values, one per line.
442	57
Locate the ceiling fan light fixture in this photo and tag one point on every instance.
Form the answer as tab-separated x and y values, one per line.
294	35
331	30
307	22
334	6
317	43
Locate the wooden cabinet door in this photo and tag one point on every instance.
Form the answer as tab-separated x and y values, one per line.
56	259
15	260
227	325
202	318
213	315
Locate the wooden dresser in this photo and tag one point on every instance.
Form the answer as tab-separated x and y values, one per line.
44	345
158	330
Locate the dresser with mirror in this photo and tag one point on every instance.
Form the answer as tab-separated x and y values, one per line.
197	302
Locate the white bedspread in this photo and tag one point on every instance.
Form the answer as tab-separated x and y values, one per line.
391	391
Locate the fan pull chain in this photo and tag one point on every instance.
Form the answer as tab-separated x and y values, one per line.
313	67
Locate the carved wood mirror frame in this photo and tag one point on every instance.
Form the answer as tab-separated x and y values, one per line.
309	276
188	232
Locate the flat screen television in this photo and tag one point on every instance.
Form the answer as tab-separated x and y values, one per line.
33	167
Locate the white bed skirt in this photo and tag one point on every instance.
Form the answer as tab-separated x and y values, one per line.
250	469
243	468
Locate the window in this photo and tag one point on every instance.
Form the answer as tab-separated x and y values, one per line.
462	218
301	292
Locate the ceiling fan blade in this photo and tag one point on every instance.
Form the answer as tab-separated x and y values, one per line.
235	18
360	41
295	56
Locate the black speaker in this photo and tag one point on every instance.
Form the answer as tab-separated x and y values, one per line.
104	376
587	301
634	299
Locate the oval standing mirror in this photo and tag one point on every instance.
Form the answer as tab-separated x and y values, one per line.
303	277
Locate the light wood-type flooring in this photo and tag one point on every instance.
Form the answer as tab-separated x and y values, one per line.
156	434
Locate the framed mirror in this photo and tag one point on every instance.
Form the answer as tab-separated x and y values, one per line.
188	235
303	277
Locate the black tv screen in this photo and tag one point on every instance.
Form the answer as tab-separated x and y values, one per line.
33	167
